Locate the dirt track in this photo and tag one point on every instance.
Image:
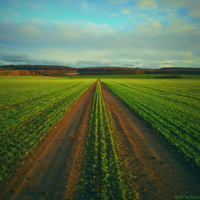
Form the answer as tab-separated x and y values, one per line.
55	170
158	174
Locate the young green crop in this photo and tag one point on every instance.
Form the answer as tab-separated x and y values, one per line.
101	177
171	107
29	109
134	76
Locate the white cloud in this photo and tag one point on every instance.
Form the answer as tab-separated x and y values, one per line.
145	3
195	10
192	7
177	3
151	42
126	11
85	5
165	62
24	59
15	58
178	27
88	63
165	66
154	22
2	62
31	30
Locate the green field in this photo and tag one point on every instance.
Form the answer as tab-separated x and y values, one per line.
133	76
170	106
29	109
31	106
101	163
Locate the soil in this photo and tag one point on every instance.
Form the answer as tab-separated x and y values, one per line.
52	171
156	171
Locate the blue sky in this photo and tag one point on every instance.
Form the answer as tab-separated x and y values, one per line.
76	33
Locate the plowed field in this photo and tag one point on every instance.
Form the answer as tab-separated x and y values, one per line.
126	159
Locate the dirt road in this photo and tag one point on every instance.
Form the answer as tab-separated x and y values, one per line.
157	173
54	170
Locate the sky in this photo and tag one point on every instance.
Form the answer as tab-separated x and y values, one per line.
96	33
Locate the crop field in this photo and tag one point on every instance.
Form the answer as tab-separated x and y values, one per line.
101	166
171	107
107	144
29	108
134	76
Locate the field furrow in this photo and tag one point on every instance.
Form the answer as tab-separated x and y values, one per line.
72	138
23	126
173	114
101	176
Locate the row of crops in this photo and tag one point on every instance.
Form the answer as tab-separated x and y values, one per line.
101	177
171	107
29	109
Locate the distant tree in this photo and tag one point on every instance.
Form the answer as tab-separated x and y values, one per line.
25	73
15	73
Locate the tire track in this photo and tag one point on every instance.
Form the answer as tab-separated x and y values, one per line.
157	174
55	170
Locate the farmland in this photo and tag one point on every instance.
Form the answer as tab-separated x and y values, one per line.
30	107
101	163
171	107
107	144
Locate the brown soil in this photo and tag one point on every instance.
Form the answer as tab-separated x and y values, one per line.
157	174
51	172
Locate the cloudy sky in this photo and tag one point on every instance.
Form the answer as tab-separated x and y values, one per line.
90	33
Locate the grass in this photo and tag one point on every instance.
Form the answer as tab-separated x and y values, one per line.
29	109
5	72
133	76
101	176
170	107
31	106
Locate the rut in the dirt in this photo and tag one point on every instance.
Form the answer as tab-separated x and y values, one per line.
158	175
124	160
55	172
102	172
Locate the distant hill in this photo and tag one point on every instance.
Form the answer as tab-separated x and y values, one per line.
126	70
179	70
35	67
36	70
55	70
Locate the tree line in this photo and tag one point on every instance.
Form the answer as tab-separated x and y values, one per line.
53	70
